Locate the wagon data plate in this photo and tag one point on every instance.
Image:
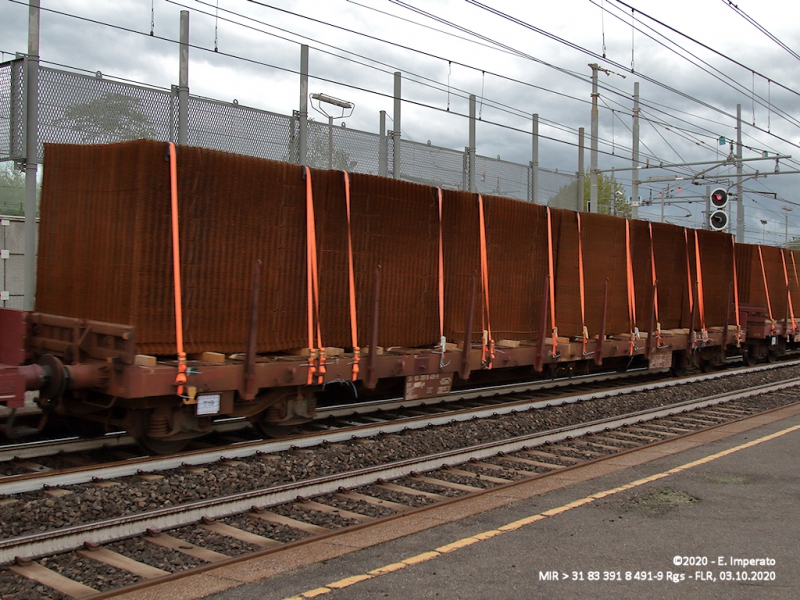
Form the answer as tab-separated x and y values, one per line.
208	404
428	386
660	360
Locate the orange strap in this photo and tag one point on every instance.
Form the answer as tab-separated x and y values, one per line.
766	287
794	268
442	339
180	378
700	303
313	288
631	290
689	272
487	353
585	332
551	269
352	282
789	291
736	295
655	289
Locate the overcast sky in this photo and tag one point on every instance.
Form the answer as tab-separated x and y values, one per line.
680	126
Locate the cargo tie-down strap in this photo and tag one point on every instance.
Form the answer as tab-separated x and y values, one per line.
631	291
352	281
700	303
584	330
766	289
655	288
788	293
794	268
442	338
736	296
550	269
689	275
487	347
180	378
316	363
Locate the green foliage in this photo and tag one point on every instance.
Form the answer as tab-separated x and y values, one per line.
610	196
110	118
608	189
12	190
794	244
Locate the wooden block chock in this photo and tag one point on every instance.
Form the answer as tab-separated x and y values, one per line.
209	357
145	360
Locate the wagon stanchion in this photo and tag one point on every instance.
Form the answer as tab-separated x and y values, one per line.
250	388
724	343
372	367
465	353
692	339
651	330
539	360
598	353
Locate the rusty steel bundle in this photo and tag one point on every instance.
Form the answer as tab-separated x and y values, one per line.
105	254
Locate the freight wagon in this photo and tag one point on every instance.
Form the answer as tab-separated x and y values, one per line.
180	285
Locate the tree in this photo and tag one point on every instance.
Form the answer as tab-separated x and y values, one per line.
12	190
610	196
608	189
110	118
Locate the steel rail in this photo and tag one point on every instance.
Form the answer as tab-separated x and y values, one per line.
70	538
28	482
40	448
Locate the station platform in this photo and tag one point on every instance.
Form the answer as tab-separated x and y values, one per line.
713	516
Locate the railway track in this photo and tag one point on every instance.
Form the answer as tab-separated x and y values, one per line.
216	529
115	455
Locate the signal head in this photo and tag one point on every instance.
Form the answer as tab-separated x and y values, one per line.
718	220
719	198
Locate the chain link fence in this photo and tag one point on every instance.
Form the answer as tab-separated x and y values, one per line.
83	109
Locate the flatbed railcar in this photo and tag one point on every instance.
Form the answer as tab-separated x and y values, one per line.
441	288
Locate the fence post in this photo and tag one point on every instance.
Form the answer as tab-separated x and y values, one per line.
535	161
396	127
471	163
183	82
579	203
31	152
303	113
383	154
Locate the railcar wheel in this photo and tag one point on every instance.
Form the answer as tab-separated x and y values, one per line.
749	358
157	445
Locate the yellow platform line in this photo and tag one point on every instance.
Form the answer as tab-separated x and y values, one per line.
514	525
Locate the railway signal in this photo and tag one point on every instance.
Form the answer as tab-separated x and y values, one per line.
718	218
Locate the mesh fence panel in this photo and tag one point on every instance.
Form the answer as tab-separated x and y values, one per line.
557	189
12	115
240	129
431	165
79	109
5	111
502	178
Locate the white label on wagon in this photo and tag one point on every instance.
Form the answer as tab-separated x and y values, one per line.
208	404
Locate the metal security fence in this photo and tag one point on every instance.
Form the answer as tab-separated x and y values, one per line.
84	109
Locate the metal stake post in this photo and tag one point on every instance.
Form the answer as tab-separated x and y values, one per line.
396	125
739	199
471	167
31	152
535	161
593	207
635	157
183	82
383	155
303	114
580	207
